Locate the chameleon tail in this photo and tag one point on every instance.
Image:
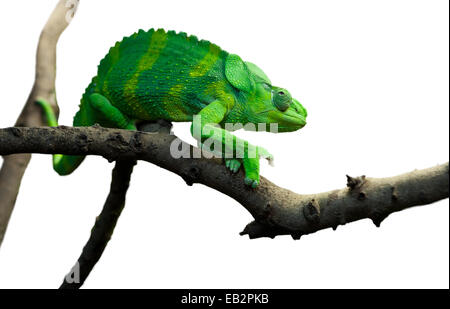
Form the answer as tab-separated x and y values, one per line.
62	164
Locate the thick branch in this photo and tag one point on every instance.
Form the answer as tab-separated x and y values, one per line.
276	210
104	226
14	166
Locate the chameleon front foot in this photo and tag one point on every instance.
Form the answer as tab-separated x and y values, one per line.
233	165
251	176
251	167
253	183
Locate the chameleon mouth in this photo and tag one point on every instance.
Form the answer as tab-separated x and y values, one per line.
291	120
295	119
299	108
287	121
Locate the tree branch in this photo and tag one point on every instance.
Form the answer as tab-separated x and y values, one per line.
14	166
277	211
104	225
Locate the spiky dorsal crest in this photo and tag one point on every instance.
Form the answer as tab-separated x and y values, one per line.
114	52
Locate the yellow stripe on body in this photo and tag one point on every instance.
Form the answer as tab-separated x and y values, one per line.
157	43
174	106
217	90
208	61
114	54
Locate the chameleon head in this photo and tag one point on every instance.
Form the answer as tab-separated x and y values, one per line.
274	105
263	103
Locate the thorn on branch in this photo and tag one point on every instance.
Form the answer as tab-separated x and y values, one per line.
355	182
192	175
256	229
378	217
296	235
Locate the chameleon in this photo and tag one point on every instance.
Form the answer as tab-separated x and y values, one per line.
158	74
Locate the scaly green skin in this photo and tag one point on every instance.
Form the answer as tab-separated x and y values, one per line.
166	75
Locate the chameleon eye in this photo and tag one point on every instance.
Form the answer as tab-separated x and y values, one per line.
282	100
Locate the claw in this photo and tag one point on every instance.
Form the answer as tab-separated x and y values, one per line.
233	165
251	182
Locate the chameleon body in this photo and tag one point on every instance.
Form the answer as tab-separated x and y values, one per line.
155	74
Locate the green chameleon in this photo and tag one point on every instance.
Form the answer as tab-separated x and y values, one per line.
167	75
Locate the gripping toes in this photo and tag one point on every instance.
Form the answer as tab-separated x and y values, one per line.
251	167
233	165
251	182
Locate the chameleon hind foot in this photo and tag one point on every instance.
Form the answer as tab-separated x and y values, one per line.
62	164
112	116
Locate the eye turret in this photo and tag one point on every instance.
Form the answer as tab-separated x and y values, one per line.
281	99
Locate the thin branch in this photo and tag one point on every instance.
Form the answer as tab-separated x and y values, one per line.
277	211
14	166
104	226
105	223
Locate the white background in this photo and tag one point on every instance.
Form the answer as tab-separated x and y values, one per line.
374	77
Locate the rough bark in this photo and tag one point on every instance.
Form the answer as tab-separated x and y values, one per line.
14	166
277	211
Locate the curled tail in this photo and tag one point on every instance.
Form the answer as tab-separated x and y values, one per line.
62	164
94	108
66	164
